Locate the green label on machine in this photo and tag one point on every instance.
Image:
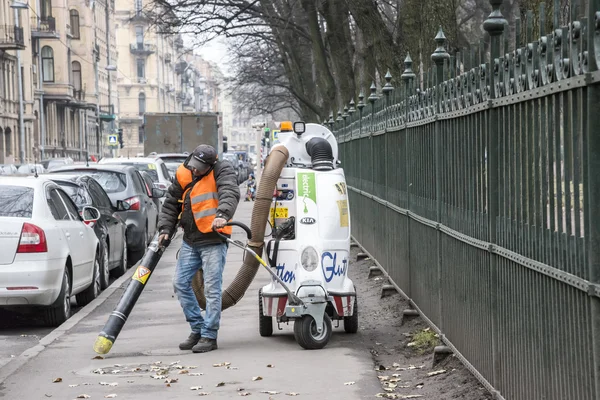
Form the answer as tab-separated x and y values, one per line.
306	186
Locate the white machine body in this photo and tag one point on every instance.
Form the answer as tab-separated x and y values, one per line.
315	263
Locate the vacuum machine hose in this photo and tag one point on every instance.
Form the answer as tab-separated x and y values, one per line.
260	214
321	154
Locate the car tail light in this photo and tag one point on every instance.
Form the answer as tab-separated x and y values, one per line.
33	240
134	203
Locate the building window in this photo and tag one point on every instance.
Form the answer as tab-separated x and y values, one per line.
46	9
48	64
142	103
141	68
139	37
74	15
76	72
138	7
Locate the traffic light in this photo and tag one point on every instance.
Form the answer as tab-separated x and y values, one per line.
120	134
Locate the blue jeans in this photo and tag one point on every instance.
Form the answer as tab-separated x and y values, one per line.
211	259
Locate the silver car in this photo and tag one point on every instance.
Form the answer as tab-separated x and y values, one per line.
122	182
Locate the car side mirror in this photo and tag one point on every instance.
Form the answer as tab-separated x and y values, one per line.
158	193
90	214
123	205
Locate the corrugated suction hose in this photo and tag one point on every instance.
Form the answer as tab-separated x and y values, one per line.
260	214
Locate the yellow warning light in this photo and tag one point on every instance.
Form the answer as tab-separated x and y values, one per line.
286	126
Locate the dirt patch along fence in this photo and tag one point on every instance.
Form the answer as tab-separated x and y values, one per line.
454	188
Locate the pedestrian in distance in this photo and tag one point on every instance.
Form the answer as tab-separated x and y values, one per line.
203	197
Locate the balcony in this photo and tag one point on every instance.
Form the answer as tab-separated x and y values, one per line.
142	48
179	43
181	95
46	29
11	37
79	95
107	112
168	58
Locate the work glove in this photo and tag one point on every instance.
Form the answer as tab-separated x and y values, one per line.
164	239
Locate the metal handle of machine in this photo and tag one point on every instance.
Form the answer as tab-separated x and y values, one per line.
235	223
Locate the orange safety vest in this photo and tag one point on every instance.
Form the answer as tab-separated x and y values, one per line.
203	198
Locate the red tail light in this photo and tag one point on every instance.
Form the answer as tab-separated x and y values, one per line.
33	240
134	203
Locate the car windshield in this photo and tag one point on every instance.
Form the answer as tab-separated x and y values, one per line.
142	167
112	182
172	167
78	194
16	201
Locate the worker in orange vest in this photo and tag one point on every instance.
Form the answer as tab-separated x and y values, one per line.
203	197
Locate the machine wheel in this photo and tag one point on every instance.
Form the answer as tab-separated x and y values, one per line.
306	334
92	291
122	268
351	323
60	311
265	324
105	267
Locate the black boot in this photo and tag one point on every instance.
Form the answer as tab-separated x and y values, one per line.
190	342
204	345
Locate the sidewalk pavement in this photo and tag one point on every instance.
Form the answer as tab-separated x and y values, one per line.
148	347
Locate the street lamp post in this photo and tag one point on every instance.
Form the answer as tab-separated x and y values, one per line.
17	5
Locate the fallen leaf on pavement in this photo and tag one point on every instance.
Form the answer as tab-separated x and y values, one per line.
195	374
75	385
383	378
257	378
270	366
109	384
157	362
395	365
203	394
388	389
118	365
171	380
411	396
269	392
292	394
349	383
223	364
168	385
158	376
191	367
419	386
183	372
84	396
439	372
115	371
110	396
130	381
220	384
392	385
178	367
244	393
196	388
98	358
137	369
48	395
174	362
57	380
232	367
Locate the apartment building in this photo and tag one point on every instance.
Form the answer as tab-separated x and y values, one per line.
149	71
15	37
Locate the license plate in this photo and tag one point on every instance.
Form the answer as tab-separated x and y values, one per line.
280	212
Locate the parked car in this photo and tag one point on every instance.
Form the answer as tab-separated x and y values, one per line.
8	169
52	163
110	229
30	169
171	160
123	182
48	252
237	166
149	185
154	166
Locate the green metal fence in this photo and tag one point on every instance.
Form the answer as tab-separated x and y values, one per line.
477	189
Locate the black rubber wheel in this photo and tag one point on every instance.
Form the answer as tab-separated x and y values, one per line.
306	334
60	311
265	324
92	291
104	267
122	268
351	323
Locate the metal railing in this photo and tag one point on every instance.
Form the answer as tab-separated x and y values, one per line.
477	191
142	48
11	37
47	24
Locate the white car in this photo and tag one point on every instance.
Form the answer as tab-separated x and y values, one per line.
49	252
155	167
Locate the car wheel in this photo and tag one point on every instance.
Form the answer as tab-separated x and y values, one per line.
60	311
104	268
122	268
92	291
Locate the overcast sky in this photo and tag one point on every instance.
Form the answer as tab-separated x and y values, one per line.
216	51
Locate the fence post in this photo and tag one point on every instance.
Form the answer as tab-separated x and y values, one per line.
360	106
387	90
439	57
494	25
592	222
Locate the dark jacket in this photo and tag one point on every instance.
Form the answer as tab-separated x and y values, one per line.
229	197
